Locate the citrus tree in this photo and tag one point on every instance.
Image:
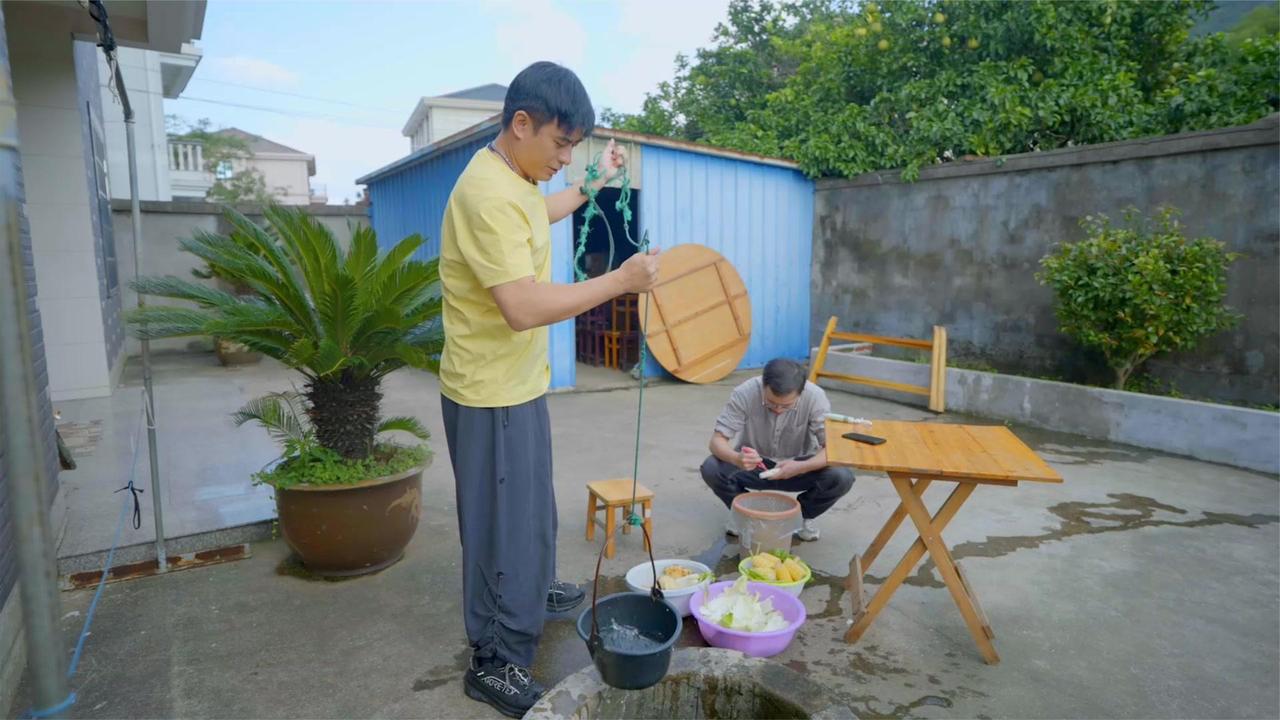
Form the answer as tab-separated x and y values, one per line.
844	88
1139	289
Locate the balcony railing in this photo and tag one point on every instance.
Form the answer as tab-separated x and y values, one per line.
186	156
187	176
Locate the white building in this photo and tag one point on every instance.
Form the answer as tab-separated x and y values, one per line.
169	169
150	77
73	163
62	215
287	172
435	118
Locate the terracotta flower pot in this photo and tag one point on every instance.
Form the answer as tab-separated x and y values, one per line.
233	353
340	530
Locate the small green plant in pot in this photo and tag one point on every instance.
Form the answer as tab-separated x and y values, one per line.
1144	288
348	502
228	352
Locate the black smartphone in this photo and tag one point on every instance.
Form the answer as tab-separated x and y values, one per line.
859	437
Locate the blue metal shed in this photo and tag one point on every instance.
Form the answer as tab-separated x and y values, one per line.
756	211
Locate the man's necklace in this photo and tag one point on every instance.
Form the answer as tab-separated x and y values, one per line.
507	160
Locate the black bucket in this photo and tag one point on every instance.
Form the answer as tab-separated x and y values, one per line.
656	621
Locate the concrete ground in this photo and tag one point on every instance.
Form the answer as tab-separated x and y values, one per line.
207	488
1146	585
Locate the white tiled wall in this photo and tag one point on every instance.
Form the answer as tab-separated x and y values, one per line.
58	207
142	75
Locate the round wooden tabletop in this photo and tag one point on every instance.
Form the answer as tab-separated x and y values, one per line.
700	322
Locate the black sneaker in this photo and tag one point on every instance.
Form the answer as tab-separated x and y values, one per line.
562	596
506	686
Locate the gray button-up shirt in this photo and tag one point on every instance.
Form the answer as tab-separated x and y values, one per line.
800	431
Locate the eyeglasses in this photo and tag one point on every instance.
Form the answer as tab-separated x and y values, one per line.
780	407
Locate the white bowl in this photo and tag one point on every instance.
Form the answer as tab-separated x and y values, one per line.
640	579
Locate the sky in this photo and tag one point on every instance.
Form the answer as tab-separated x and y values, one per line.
340	79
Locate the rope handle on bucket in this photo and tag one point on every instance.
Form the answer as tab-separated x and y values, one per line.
655	592
588	188
642	246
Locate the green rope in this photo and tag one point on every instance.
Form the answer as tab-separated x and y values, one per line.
642	246
635	466
593	209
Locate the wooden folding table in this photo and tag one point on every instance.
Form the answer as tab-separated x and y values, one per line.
915	455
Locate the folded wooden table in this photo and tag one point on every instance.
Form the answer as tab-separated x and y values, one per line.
915	455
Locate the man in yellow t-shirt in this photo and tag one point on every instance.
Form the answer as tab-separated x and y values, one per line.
495	269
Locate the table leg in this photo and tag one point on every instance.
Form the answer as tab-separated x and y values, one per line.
931	534
591	516
853	586
913	554
890	527
610	530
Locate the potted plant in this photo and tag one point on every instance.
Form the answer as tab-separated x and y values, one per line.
348	502
229	352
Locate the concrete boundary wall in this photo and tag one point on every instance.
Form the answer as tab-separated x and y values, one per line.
165	224
960	247
1225	434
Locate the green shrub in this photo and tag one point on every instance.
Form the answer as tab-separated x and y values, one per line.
1140	289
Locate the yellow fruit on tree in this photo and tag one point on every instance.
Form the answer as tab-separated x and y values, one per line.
860	32
973	43
939	18
883	44
946	41
877	27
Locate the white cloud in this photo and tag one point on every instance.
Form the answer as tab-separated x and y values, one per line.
533	30
344	152
653	32
248	71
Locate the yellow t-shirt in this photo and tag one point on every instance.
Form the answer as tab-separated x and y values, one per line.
495	230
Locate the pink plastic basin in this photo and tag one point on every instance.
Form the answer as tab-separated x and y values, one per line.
761	644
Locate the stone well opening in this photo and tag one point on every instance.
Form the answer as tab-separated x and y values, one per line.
702	683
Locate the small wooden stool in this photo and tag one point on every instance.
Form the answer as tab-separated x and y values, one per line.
616	494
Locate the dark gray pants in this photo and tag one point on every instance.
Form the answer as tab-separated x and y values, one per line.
819	490
507	523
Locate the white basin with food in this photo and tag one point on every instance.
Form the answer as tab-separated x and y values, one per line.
678	580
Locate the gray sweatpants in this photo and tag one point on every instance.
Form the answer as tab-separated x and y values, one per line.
506	521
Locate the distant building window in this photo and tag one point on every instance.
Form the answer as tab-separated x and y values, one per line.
223	170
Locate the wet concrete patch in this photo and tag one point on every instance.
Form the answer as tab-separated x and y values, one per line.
445	673
1125	512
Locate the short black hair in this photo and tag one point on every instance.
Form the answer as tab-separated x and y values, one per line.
547	91
784	376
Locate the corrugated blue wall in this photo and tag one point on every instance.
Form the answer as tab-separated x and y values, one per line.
564	351
412	200
760	217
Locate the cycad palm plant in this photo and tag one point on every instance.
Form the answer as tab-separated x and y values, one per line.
343	319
